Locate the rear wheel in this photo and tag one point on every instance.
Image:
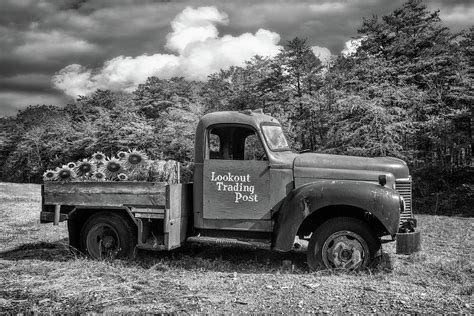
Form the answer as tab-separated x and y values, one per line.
108	235
342	243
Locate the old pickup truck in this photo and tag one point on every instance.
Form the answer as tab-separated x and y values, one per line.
249	187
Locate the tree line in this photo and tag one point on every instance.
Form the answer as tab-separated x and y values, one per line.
406	92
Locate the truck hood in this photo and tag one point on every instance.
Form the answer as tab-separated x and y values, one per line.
323	166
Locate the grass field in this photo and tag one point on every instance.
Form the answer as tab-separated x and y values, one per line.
39	274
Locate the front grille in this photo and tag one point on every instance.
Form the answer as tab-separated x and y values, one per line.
403	186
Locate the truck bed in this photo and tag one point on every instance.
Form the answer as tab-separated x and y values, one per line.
160	204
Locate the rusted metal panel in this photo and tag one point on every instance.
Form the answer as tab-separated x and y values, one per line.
150	215
408	243
198	195
238	224
304	175
106	187
176	234
281	184
236	189
178	210
104	199
159	209
105	194
179	201
324	161
382	202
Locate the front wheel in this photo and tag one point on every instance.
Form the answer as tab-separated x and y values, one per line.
342	243
108	235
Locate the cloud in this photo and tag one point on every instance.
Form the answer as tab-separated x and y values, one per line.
351	46
45	46
323	53
120	73
74	80
199	52
328	7
458	17
205	58
13	101
191	26
31	82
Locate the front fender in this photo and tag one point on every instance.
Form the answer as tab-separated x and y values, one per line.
382	202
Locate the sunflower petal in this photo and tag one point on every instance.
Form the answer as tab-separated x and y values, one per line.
98	176
66	174
50	175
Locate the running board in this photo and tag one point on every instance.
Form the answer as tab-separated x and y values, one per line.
230	241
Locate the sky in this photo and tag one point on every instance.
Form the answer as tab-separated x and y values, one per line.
54	50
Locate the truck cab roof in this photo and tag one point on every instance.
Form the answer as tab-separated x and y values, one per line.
247	117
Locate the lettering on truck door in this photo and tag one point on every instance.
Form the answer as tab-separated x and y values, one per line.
236	175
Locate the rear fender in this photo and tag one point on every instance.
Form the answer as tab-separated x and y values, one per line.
380	201
81	210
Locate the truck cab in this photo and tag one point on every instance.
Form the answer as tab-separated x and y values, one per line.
249	185
243	170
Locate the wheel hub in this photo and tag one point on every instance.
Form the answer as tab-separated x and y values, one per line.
346	255
343	250
102	242
108	241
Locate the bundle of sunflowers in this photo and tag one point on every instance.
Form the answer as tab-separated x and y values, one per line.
131	165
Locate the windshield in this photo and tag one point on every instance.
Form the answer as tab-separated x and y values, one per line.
275	138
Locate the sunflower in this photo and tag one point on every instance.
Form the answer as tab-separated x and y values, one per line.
98	158
98	176
136	159
122	155
122	177
112	168
84	168
50	175
65	174
71	165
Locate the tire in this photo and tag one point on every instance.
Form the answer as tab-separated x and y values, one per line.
108	235
343	243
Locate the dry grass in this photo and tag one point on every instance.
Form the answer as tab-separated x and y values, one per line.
39	274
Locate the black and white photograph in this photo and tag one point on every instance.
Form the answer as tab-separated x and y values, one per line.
236	157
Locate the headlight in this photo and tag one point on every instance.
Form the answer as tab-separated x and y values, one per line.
402	204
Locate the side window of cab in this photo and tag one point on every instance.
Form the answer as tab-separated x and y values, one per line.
234	143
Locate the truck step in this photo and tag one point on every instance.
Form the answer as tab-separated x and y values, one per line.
261	244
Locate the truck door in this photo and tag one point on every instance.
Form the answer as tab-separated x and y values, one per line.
236	177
